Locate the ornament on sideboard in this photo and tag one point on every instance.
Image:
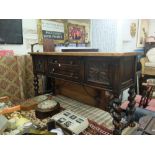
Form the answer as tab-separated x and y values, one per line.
32	47
48	45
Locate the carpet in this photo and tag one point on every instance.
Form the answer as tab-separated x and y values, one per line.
96	129
100	121
93	129
151	104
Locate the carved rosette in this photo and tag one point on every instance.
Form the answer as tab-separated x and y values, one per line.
98	72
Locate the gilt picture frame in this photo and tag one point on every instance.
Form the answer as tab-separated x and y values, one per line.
52	29
143	30
76	33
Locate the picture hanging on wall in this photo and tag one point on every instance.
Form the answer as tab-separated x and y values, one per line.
143	27
133	27
76	33
51	30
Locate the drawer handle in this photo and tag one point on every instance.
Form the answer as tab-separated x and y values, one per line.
71	62
55	61
71	74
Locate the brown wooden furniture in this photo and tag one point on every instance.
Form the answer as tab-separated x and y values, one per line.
147	71
146	126
148	46
113	72
147	94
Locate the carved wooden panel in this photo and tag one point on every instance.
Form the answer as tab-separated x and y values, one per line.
39	64
97	72
128	70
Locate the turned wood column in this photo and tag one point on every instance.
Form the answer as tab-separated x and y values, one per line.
115	110
131	106
123	117
36	84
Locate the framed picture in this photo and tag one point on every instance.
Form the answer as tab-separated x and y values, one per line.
143	28
133	29
76	33
51	29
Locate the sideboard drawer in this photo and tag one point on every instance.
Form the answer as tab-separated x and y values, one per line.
64	60
68	68
67	73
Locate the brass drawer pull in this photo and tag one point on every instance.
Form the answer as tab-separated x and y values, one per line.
55	61
71	62
71	74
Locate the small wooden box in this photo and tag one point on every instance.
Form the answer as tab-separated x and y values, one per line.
48	45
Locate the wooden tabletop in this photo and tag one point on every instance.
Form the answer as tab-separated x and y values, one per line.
86	53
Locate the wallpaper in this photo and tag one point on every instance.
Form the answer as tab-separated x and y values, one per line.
104	34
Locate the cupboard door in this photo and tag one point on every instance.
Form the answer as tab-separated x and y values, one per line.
98	72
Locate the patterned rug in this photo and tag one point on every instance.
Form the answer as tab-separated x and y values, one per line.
93	128
100	122
96	129
102	119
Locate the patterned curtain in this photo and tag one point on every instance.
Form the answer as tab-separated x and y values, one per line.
16	77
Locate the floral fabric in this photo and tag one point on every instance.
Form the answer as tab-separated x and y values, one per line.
16	77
